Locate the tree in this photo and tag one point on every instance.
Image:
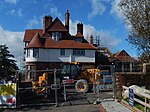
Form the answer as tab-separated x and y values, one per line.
137	16
7	63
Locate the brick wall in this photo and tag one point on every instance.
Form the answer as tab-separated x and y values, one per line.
146	71
128	79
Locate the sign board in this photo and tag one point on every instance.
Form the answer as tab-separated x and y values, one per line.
107	78
68	81
8	95
104	72
131	97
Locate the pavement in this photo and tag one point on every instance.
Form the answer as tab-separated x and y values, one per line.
113	106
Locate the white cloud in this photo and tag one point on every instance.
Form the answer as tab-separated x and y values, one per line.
54	11
14	41
118	13
106	38
116	10
16	12
98	8
33	23
19	12
11	1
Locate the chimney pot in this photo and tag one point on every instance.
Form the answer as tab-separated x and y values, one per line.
91	39
67	19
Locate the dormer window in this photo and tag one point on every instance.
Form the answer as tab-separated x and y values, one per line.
56	36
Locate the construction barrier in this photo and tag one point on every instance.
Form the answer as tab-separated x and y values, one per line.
50	89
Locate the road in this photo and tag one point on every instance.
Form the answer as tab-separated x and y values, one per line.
79	103
74	108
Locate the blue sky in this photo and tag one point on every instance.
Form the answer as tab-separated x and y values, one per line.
101	18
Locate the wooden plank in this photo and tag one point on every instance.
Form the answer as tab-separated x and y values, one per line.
141	102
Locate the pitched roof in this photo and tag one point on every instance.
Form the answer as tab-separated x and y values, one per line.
123	56
67	44
57	26
29	34
36	42
39	40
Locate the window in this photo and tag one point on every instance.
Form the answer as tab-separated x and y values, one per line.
26	44
36	53
31	72
56	36
78	52
28	53
62	51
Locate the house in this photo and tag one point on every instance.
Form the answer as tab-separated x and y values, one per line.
53	45
123	62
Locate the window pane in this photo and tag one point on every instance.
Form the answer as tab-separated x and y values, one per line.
56	36
31	72
28	52
79	52
36	53
62	51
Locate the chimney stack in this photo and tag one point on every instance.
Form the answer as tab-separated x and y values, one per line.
67	20
91	39
47	20
80	28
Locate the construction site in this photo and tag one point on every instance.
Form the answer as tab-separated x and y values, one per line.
62	71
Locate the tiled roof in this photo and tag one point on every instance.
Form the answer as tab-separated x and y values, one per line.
67	44
36	42
45	35
57	26
50	43
29	34
40	40
123	56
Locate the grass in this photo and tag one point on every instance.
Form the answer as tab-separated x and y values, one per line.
137	105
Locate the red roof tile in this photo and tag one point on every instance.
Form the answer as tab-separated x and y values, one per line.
123	56
45	35
36	42
49	42
40	40
67	44
29	34
57	26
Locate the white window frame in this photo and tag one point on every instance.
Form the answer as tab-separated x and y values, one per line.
31	72
56	36
28	53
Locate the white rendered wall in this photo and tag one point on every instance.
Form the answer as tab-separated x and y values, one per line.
53	55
